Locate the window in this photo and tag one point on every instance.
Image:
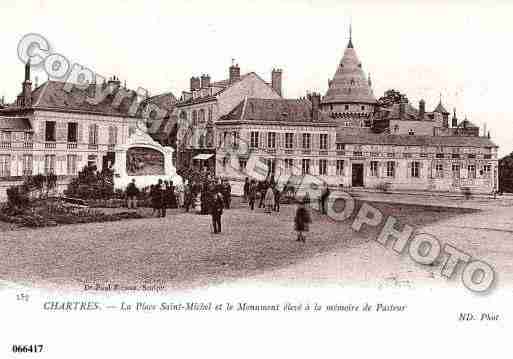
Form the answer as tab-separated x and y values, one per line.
340	147
390	154
29	137
471	155
5	165
374	168
5	139
271	166
439	170
396	128
415	169
254	139
439	155
407	155
194	118
411	132
72	164
49	164
455	155
202	116
471	171
210	114
289	164
487	157
323	167
305	166
50	131
390	169
235	139
72	132
487	168
340	167
93	134
357	153
242	164
271	139
306	141
323	141
423	154
113	135
455	170
363	108
346	107
289	140
27	165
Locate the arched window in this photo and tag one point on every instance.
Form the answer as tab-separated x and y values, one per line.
202	116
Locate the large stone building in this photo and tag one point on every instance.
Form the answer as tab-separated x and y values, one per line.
347	138
59	128
200	108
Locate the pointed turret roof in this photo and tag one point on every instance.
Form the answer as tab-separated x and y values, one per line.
349	84
440	108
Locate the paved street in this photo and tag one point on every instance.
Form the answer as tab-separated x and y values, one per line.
180	250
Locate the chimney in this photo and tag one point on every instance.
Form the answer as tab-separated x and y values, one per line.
234	73
484	129
422	109
26	93
402	107
315	99
454	119
205	81
276	80
195	83
114	84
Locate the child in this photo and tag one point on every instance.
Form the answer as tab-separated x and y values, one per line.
302	220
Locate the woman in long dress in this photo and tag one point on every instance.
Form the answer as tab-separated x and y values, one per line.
269	200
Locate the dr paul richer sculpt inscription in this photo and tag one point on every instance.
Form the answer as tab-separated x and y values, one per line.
115	287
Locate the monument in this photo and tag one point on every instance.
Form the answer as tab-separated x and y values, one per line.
145	160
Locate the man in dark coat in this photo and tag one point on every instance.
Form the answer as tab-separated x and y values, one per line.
324	197
187	196
161	195
252	191
216	208
131	194
246	189
227	194
277	195
262	190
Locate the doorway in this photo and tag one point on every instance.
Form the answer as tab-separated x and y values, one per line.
357	175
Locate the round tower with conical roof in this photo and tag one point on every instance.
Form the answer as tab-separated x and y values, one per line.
349	96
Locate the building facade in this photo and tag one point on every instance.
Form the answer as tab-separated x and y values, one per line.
349	138
59	130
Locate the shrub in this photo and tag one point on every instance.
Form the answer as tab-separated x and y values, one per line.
91	184
17	197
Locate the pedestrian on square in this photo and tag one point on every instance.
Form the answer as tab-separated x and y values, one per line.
227	194
262	190
131	193
246	189
216	208
269	200
170	194
154	199
277	197
252	192
323	199
302	220
162	200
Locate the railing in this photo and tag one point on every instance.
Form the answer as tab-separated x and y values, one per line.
50	145
72	145
289	152
28	145
93	146
5	144
323	153
306	152
341	153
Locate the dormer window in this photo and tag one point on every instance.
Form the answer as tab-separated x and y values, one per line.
411	132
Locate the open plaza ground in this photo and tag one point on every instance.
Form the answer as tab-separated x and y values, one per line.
180	251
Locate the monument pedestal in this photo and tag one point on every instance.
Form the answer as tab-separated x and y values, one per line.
144	160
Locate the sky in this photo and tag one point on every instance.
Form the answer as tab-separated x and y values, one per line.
426	49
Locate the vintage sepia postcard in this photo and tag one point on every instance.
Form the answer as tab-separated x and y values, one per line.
256	179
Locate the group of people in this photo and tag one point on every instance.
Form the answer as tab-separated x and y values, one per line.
267	191
212	196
